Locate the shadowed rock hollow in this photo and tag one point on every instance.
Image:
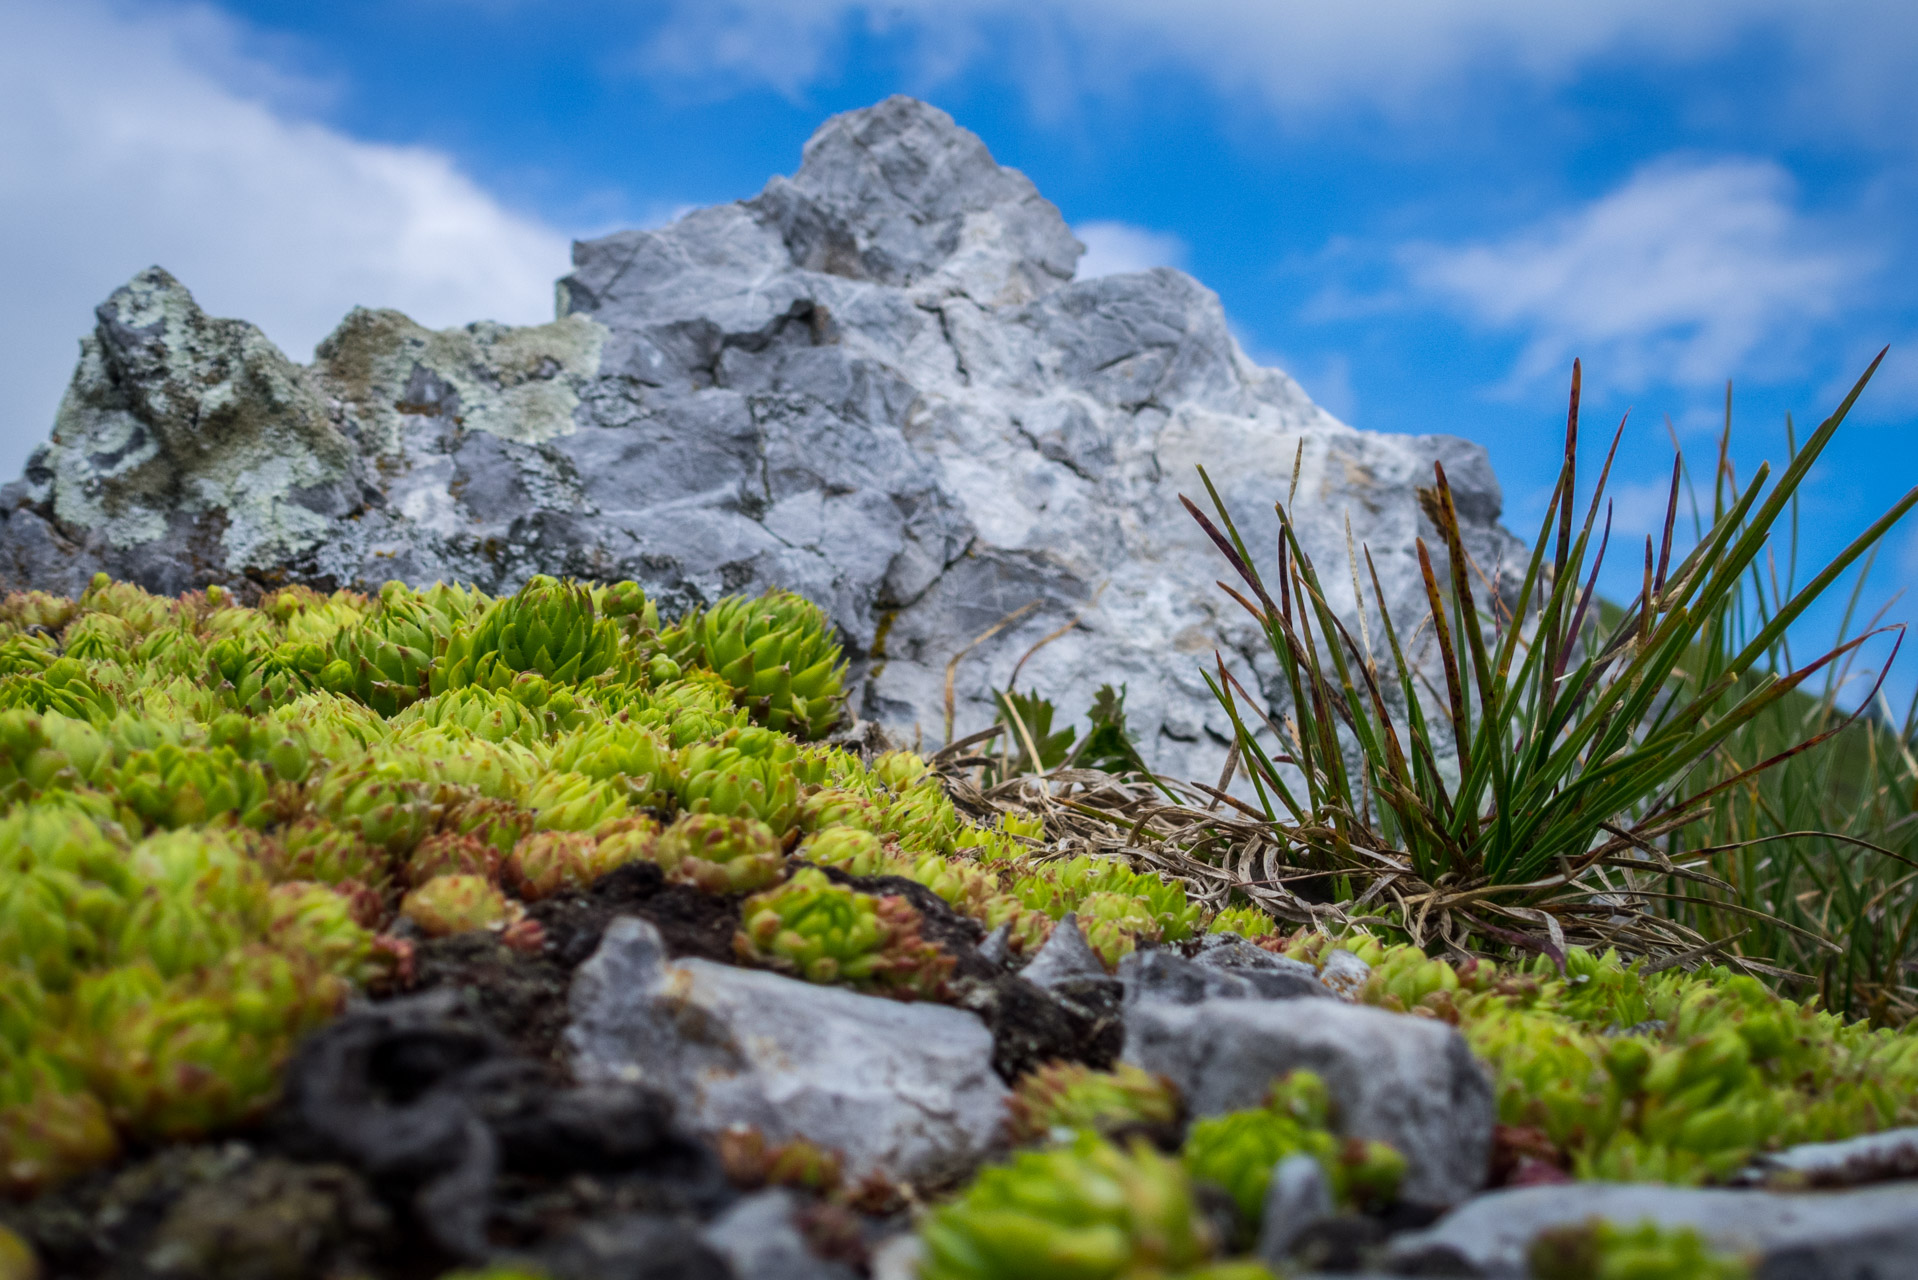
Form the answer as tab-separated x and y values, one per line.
876	382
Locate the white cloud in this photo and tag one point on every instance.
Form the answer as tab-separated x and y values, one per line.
1300	54
1115	248
1679	275
133	136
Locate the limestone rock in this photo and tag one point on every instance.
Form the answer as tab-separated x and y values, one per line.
875	383
1868	1232
1408	1081
907	1089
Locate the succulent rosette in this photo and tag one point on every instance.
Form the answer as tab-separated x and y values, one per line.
379	801
712	778
1083	1211
1072	1096
550	627
778	653
829	933
452	904
720	854
384	660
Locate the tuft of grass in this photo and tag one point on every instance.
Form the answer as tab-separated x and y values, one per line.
1548	781
1816	858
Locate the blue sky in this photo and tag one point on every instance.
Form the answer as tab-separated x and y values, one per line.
1422	210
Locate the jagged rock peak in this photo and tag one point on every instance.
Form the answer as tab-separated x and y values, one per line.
875	383
892	192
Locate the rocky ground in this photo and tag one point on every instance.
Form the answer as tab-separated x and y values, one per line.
579	1113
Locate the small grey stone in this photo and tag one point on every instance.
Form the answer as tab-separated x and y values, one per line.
907	1089
1411	1082
1344	974
757	1236
1869	1232
1066	954
1875	1157
1297	1197
997	947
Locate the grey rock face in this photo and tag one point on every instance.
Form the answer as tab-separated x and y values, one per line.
759	1240
907	1089
876	382
1869	1232
1408	1081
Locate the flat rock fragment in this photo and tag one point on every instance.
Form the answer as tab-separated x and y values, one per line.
1869	1233
907	1090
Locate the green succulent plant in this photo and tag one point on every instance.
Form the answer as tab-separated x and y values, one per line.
719	853
617	750
828	933
320	921
36	610
711	778
457	904
575	802
385	659
311	848
856	852
173	786
1247	922
1084	1211
499	824
696	706
51	1126
64	686
452	853
548	861
145	611
485	713
922	819
1600	1250
828	807
778	653
1073	1096
378	801
205	1052
1238	1150
549	627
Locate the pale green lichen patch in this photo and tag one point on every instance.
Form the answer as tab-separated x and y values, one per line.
172	411
517	383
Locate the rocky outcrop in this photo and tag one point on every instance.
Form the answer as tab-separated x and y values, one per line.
877	382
